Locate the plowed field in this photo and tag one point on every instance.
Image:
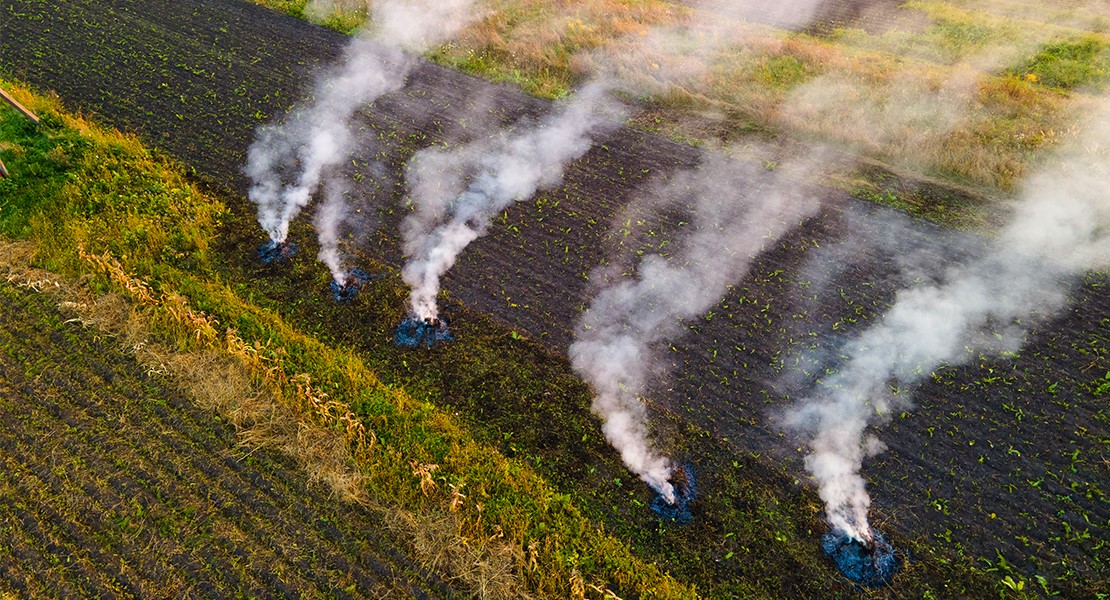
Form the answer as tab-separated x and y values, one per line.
113	485
1002	458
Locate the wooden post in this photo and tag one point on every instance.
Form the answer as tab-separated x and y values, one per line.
18	106
26	113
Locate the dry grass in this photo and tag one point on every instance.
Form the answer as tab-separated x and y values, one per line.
929	102
536	44
491	567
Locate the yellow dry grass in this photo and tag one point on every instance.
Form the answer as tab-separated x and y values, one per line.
490	567
535	44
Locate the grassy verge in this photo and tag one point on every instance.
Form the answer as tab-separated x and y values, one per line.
98	206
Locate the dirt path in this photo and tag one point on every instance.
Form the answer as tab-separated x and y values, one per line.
987	462
113	485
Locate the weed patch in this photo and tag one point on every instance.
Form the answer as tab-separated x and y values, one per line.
1069	65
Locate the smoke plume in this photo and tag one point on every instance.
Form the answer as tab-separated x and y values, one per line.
418	25
1060	228
736	211
327	220
511	167
288	160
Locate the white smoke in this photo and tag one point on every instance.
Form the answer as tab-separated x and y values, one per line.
790	14
511	167
327	220
418	25
287	161
318	136
737	210
1060	228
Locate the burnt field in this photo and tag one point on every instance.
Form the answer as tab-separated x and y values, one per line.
1002	458
116	485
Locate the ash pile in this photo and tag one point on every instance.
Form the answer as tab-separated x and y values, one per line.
272	251
414	332
870	563
685	492
350	288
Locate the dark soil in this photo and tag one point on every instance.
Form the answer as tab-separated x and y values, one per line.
1004	457
114	485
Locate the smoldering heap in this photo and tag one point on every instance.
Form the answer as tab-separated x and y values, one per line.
414	332
350	288
685	492
870	563
272	251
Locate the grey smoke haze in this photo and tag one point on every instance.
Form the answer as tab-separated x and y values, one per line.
1060	228
496	173
418	25
903	111
683	55
288	160
737	210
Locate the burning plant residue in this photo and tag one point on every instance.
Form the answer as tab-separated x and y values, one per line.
414	331
685	492
871	564
273	251
351	287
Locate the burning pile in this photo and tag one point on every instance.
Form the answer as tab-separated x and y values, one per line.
870	563
685	492
414	331
351	287
273	251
